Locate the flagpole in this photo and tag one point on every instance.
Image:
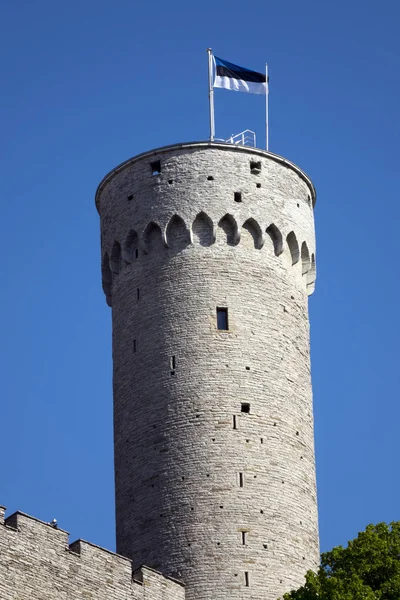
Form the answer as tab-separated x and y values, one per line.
266	108
211	94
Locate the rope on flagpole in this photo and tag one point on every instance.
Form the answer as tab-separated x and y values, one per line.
211	94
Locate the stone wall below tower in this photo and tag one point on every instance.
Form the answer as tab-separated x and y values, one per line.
38	563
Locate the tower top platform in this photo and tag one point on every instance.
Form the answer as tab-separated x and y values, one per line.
208	145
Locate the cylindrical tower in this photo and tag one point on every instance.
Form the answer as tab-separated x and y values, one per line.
208	257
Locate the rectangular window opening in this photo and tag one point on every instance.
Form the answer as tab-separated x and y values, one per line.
241	480
246	579
222	319
255	167
245	407
237	196
155	167
234	422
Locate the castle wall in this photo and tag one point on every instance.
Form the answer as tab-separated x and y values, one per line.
206	490
37	563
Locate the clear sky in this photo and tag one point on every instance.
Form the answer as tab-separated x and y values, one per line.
86	85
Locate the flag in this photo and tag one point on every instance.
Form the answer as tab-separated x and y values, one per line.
239	79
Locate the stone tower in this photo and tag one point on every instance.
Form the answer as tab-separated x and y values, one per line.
208	258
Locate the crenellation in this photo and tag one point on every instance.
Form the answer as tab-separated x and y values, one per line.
38	563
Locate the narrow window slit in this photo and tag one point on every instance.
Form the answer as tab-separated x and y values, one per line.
173	362
136	252
241	480
137	294
234	422
155	167
134	345
243	538
222	319
246	578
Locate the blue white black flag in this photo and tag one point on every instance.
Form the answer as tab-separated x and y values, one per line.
239	79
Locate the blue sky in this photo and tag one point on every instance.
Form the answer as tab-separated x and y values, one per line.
87	85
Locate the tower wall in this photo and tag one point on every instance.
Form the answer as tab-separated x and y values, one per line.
206	491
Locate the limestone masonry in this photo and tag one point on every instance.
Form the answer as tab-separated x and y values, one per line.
37	563
208	258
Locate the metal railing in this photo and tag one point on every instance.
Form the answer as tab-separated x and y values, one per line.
245	138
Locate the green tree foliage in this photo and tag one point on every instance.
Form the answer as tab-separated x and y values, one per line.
368	569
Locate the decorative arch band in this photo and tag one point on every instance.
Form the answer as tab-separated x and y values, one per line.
177	236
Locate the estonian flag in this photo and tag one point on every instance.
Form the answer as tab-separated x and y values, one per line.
239	79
